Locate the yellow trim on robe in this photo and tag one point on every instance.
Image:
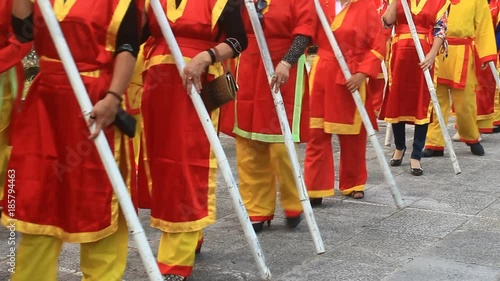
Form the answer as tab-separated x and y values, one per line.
377	54
416	9
352	189
320	193
174	12
313	73
217	11
90	74
337	21
116	21
406	36
81	237
443	9
145	160
340	128
62	8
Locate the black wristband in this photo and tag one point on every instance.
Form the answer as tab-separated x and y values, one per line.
108	92
212	55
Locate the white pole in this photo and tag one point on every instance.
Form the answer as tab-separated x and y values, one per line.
108	160
214	141
494	71
432	89
361	108
285	129
388	127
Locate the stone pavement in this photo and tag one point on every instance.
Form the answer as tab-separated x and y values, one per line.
449	231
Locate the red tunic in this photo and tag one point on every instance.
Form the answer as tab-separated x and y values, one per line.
178	159
62	188
486	87
11	83
332	105
408	97
256	116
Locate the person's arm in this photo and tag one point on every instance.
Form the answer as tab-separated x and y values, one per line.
439	34
231	24
21	9
22	20
303	31
127	47
374	50
390	16
13	53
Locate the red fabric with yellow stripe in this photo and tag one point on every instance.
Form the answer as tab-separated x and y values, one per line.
408	97
62	188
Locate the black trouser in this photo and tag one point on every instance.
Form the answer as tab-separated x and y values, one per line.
398	130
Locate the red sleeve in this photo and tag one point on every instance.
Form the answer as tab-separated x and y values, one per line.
374	41
13	53
305	18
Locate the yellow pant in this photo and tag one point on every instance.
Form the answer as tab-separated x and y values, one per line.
260	165
103	260
464	103
176	252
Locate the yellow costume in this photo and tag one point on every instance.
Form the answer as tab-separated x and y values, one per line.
469	26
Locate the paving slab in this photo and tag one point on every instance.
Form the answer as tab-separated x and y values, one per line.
443	270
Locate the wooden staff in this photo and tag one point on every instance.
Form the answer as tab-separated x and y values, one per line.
215	143
107	158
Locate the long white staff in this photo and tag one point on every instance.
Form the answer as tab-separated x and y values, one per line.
285	129
108	160
432	89
388	128
494	71
361	108
214	141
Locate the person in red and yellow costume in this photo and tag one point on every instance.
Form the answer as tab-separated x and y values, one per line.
261	153
486	88
62	191
333	110
408	99
182	166
11	83
375	87
470	30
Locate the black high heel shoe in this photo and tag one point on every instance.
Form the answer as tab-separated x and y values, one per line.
259	226
293	222
417	171
397	162
315	202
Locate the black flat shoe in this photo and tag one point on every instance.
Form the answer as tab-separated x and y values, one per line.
476	149
293	222
259	226
397	162
416	171
315	202
432	153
